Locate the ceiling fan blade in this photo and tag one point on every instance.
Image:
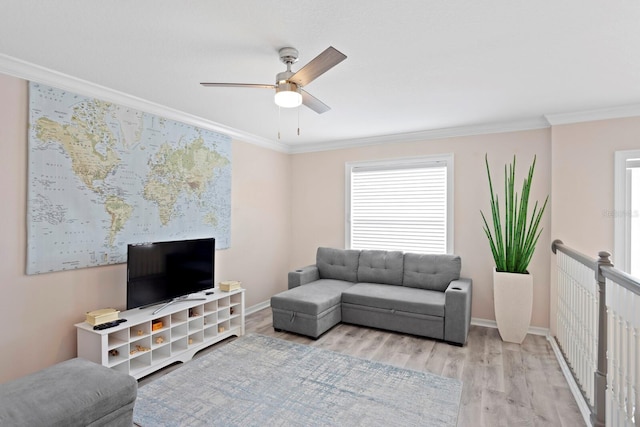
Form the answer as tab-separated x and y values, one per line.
249	85
314	103
318	66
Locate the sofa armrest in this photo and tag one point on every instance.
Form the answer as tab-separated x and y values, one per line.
457	310
303	275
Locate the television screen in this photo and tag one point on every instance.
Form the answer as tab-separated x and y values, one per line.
161	271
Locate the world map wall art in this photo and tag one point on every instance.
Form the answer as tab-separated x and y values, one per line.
103	175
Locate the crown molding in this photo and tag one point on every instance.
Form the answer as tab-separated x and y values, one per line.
427	135
620	112
28	71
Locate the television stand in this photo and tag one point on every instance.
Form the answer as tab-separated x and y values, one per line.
147	342
175	300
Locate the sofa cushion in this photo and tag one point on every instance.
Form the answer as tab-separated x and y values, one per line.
338	264
380	267
432	272
313	298
398	298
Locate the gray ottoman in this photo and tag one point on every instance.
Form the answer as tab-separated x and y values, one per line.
72	393
310	309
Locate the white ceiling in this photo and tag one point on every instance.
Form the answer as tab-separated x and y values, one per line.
412	66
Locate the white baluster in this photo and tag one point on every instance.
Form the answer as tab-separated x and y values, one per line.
612	373
628	341
636	366
619	358
610	331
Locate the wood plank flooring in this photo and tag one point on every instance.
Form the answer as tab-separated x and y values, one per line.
503	384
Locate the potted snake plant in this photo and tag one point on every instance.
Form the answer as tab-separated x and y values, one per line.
513	235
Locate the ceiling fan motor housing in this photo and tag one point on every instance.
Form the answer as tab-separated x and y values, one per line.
284	77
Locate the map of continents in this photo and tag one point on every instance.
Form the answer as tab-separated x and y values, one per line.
102	175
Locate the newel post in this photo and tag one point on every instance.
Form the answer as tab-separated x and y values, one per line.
600	376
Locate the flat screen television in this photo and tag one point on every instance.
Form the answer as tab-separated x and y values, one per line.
160	272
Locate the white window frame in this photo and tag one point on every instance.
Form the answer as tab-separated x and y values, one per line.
622	213
439	159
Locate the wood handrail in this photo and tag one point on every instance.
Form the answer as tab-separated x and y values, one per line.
557	245
621	278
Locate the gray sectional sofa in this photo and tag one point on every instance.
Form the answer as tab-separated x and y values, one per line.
405	292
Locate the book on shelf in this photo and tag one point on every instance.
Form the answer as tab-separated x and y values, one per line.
103	315
229	285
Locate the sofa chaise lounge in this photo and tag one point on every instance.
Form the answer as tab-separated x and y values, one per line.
416	294
72	393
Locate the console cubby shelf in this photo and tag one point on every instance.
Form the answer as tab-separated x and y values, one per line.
188	326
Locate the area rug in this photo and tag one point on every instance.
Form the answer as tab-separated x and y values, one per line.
263	381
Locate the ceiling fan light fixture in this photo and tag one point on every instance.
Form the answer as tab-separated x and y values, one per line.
288	95
289	84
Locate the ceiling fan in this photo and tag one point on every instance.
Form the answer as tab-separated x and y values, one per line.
288	86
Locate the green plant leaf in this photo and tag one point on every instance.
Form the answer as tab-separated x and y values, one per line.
513	240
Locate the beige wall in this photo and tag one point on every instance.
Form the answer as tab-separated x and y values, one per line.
39	311
583	174
318	198
284	207
583	185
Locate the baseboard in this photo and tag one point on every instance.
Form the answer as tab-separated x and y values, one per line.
533	330
573	386
260	306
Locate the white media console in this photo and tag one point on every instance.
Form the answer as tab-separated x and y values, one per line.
141	346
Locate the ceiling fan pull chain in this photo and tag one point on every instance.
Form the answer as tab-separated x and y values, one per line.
278	122
298	120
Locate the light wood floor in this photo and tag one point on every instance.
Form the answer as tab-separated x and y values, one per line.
503	384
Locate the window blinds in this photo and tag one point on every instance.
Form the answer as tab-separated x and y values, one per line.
399	208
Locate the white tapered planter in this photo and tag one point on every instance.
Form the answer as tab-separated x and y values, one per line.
513	303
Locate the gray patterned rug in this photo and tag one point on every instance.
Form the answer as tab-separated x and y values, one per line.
262	381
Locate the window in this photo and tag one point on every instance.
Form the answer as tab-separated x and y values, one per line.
403	204
627	212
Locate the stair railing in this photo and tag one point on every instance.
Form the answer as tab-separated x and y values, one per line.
598	333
